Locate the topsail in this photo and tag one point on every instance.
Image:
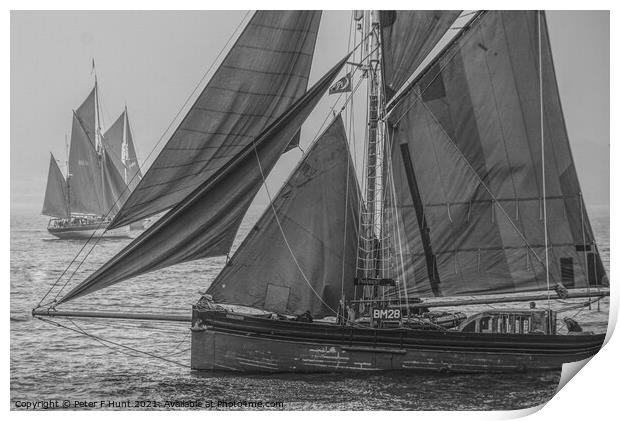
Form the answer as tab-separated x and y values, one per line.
263	74
466	158
408	36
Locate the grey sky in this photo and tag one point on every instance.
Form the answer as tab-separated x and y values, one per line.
152	60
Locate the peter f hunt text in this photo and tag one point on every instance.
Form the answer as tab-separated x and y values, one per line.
82	404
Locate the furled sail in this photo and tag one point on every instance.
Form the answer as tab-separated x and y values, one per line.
205	223
408	36
55	203
263	74
316	228
467	169
84	178
126	162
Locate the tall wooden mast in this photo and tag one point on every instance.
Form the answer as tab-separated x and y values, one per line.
372	245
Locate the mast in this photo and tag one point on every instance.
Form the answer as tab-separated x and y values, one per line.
98	142
372	246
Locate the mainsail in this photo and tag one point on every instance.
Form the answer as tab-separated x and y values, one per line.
408	36
56	200
467	169
303	259
204	224
84	178
263	74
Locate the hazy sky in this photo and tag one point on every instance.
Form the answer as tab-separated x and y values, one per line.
153	60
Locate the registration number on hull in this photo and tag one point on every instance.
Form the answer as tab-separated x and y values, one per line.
386	314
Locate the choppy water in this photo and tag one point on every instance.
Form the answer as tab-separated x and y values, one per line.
52	363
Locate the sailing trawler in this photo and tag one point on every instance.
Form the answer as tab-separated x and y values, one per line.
99	170
469	189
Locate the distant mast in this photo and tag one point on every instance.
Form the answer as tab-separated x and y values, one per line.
125	147
68	176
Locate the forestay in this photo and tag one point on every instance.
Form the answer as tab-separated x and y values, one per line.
466	144
300	255
205	223
263	74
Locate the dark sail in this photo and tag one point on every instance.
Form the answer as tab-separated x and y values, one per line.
87	114
115	191
466	144
113	142
263	74
408	36
311	209
56	200
205	223
84	178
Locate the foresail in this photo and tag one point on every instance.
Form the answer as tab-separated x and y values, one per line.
84	178
205	223
263	74
466	153
408	36
303	259
55	203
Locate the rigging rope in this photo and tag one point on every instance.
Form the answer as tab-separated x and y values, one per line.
105	342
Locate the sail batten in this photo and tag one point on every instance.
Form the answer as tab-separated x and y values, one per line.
470	129
204	224
56	202
265	71
293	259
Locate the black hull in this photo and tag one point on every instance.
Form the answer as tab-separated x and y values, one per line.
234	342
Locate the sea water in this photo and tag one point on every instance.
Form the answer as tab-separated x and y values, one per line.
100	364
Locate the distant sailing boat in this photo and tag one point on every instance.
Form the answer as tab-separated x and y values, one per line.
470	189
99	167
